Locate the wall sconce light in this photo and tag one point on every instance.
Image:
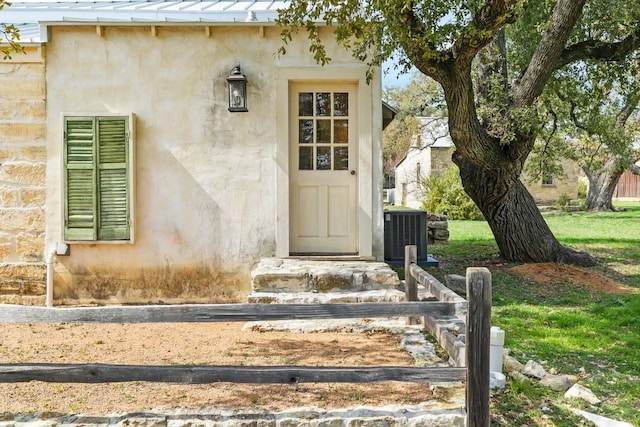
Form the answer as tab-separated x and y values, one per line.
237	84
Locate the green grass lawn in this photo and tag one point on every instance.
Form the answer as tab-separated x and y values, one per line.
593	336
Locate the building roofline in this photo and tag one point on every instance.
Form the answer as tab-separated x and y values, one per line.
243	13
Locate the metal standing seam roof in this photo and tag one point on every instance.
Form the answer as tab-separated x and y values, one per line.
32	16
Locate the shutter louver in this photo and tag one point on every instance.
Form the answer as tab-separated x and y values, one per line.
113	178
80	201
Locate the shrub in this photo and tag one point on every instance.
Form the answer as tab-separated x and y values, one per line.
444	195
563	202
582	190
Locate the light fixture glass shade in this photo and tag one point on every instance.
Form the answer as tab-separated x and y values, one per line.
237	85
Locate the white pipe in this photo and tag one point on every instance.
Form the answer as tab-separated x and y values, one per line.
496	378
496	349
51	256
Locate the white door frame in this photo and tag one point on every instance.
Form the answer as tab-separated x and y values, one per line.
369	215
326	222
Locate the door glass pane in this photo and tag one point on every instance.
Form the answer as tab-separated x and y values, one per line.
305	104
323	129
324	132
341	158
305	158
305	131
323	104
341	131
324	158
341	104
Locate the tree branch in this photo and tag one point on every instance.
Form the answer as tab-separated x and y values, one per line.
486	23
597	49
545	58
572	113
626	111
482	29
430	65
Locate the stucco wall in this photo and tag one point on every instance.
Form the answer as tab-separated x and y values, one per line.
408	191
205	204
22	178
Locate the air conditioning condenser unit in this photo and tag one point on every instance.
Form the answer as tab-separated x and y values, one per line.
402	228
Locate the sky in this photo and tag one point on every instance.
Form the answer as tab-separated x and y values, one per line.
391	77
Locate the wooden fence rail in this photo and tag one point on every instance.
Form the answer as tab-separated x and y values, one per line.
206	374
471	357
472	349
217	312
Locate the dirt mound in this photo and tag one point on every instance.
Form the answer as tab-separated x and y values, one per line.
549	273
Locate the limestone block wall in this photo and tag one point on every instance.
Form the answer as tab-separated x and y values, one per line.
22	178
549	193
437	228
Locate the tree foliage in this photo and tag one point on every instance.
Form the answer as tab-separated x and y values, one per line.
491	99
421	97
443	194
588	113
396	140
10	35
592	118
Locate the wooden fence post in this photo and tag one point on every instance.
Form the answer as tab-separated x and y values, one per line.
410	285
478	342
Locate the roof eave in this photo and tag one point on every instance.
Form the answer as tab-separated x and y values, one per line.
147	22
44	25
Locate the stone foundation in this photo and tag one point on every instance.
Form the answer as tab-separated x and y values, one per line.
388	416
23	283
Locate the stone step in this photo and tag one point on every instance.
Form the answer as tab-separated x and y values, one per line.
303	275
380	295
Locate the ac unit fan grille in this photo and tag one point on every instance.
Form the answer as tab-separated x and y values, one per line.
402	228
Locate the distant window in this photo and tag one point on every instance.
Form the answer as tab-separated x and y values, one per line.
547	179
418	173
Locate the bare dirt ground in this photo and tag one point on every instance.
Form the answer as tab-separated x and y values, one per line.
221	344
196	343
546	274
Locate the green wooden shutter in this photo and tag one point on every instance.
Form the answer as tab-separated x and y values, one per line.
113	178
80	181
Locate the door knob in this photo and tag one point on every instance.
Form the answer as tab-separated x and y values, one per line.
353	172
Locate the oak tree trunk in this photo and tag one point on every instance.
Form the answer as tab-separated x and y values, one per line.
602	185
490	175
490	128
516	222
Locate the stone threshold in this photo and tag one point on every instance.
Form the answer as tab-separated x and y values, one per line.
327	275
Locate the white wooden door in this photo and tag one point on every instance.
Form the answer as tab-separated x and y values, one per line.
322	164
